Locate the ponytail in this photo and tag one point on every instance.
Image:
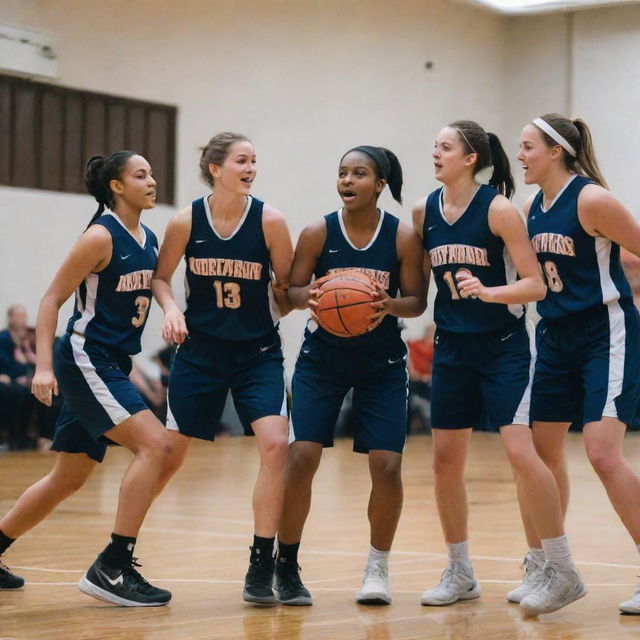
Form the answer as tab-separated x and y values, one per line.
100	172
394	179
586	157
501	178
490	152
577	134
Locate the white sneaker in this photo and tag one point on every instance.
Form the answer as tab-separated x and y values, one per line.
557	589
633	604
456	583
375	585
533	572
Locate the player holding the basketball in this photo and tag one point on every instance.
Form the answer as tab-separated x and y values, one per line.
476	245
363	237
110	268
238	255
588	339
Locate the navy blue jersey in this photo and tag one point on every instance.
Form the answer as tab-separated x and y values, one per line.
467	244
111	306
581	271
379	260
228	280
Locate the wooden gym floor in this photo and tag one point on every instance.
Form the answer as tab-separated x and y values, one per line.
196	536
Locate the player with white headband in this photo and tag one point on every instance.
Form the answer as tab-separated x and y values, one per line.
588	339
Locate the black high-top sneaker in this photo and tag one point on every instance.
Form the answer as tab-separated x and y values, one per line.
258	583
288	585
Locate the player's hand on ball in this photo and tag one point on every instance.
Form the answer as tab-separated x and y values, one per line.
381	305
44	383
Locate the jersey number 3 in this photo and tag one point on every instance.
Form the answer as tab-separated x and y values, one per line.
142	307
227	294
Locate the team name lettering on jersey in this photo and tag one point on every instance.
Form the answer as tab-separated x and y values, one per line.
458	254
135	280
225	267
554	243
383	277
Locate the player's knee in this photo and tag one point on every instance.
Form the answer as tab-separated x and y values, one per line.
66	484
387	472
159	446
276	447
302	460
447	463
603	460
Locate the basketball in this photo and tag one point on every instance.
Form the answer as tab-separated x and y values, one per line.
344	304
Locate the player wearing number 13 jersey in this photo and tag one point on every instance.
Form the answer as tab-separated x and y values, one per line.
238	255
588	339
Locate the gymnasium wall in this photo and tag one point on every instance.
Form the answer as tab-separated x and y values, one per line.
585	64
308	79
305	79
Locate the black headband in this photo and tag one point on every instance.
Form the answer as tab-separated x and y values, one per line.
378	156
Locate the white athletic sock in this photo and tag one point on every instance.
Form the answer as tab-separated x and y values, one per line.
459	553
378	557
537	553
557	552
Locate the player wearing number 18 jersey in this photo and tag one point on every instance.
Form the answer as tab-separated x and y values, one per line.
588	339
476	245
110	267
238	256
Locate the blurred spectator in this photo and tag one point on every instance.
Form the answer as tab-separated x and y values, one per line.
24	421
151	388
420	362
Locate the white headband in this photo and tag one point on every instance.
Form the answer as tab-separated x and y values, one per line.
552	133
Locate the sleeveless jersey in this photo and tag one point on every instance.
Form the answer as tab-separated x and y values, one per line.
467	244
379	260
581	271
111	306
228	280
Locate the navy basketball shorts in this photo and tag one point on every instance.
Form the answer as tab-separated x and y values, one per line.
205	369
98	394
587	366
322	377
481	378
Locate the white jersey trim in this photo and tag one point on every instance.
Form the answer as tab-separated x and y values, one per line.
116	412
88	310
617	329
373	239
566	184
143	234
239	225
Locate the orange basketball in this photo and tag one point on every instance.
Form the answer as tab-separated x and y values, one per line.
344	303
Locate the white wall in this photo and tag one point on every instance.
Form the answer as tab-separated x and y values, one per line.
305	79
584	64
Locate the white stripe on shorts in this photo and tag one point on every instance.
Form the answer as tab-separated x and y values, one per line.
105	398
617	329
522	412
